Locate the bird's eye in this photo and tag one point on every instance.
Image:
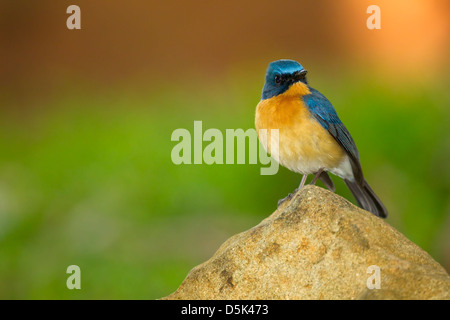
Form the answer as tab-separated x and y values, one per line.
277	79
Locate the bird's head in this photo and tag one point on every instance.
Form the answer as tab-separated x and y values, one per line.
280	75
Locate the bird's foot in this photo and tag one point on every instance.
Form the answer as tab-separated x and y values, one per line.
289	197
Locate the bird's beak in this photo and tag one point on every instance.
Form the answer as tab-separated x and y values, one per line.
299	75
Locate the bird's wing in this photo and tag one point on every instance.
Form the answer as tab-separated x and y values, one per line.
323	111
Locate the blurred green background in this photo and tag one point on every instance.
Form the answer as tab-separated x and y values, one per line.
86	118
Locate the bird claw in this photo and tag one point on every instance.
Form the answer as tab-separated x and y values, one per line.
289	197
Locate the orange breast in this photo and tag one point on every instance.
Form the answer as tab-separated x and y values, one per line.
304	145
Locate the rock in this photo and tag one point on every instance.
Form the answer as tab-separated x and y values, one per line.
317	246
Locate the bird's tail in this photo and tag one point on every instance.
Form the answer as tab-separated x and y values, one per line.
366	198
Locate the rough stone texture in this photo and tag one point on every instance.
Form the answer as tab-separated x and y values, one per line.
317	246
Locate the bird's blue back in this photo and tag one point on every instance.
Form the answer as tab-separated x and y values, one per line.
322	109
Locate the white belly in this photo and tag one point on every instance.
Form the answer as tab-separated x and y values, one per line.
306	156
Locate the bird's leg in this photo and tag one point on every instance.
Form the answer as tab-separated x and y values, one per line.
302	183
316	176
290	195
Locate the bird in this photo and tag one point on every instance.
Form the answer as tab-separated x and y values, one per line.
311	137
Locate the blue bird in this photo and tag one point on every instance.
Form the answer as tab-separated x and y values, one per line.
311	137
